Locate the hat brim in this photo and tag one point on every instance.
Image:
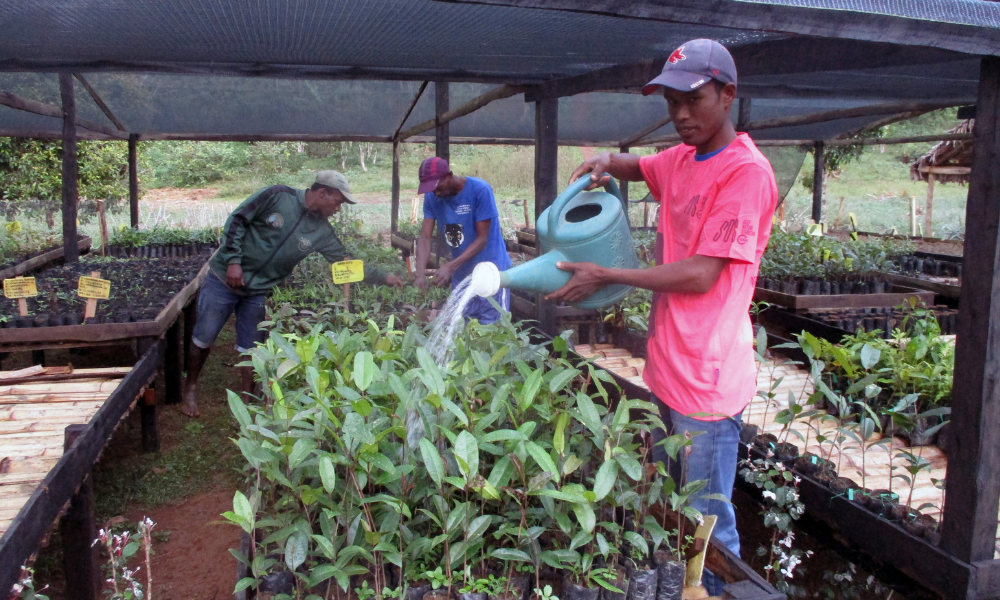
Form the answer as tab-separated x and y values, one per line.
427	186
348	198
681	81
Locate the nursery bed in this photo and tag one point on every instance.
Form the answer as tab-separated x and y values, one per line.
919	558
51	433
802	303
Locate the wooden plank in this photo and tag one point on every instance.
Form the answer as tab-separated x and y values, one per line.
913	139
409	111
21	540
443	118
970	516
42	260
946	170
72	387
799	302
546	186
941	289
394	198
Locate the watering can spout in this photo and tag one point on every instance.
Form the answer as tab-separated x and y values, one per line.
540	275
579	226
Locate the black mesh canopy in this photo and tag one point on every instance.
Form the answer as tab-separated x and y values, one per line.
352	67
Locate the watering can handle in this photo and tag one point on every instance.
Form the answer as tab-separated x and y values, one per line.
575	188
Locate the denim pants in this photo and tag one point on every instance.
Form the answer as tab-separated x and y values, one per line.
713	458
216	301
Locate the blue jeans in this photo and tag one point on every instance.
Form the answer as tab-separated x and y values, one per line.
480	308
216	301
713	458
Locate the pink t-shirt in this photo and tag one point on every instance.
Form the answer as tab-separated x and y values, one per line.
700	348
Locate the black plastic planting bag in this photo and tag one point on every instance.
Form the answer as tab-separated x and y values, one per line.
642	584
417	592
621	583
471	596
572	591
669	577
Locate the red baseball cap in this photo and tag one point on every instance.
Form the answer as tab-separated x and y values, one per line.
431	171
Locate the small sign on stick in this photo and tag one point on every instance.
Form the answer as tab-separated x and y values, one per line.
93	288
348	271
20	288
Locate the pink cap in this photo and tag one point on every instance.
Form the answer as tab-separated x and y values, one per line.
431	171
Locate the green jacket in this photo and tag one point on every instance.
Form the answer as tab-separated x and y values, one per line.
270	232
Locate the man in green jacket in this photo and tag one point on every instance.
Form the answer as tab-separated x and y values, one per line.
264	238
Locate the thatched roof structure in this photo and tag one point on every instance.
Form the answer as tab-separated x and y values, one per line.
949	161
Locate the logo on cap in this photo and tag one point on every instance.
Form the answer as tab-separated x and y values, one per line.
676	55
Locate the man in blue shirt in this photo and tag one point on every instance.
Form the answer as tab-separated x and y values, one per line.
465	209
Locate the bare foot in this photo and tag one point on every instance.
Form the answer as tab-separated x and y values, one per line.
190	404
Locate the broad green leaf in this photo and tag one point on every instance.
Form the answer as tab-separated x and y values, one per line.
562	378
541	457
478	526
300	451
432	461
239	409
467	450
355	426
365	370
559	436
511	554
604	482
295	549
241	506
630	465
531	385
501	435
588	413
869	356
571	464
585	515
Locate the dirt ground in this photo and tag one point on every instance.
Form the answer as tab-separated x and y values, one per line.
195	563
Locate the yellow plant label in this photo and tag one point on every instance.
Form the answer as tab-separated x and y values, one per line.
854	221
348	271
20	287
92	287
816	229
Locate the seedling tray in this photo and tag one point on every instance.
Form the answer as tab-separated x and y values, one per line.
887	542
34	338
802	303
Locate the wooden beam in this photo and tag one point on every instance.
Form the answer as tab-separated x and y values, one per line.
498	93
945	171
394	203
47	110
637	137
413	104
133	180
969	526
819	22
282	71
914	139
264	137
743	120
70	170
78	531
846	113
623	183
546	185
441	100
819	169
100	103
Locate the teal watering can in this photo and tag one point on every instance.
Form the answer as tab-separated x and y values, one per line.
578	227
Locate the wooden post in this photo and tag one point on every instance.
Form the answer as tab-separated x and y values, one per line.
928	221
913	216
102	220
818	169
414	204
69	169
623	183
441	148
190	318
78	530
527	215
394	214
147	404
744	115
133	180
172	366
969	527
546	185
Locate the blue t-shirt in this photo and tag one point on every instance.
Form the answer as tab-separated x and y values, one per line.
457	217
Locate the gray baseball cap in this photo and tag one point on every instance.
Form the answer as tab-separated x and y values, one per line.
692	65
337	181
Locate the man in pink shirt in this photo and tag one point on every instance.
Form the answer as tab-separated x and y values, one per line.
717	196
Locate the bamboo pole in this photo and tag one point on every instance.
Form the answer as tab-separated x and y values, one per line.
928	210
913	215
